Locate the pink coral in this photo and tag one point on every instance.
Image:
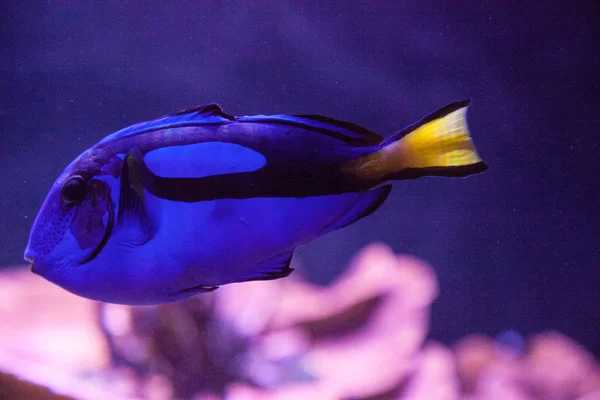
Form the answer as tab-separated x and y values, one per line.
363	337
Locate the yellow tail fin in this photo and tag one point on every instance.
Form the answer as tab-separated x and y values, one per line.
439	144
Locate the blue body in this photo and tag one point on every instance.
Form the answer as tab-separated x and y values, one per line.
197	200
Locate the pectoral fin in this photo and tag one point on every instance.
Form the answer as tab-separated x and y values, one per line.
133	212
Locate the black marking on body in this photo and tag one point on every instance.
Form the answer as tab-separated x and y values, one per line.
348	132
367	136
245	185
273	180
299	164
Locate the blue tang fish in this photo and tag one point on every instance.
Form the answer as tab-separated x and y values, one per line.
166	209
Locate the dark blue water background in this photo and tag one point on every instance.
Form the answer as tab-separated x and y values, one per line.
515	248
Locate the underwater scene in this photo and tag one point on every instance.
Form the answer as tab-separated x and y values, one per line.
354	200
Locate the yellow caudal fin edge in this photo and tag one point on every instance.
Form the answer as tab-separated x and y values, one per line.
438	145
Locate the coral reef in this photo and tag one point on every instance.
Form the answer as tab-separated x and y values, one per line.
363	337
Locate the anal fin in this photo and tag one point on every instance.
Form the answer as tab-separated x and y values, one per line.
367	203
273	268
191	291
194	290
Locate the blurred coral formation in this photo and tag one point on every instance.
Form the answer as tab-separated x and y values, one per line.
363	337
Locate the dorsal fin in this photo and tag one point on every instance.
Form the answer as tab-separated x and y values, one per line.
208	110
345	131
210	114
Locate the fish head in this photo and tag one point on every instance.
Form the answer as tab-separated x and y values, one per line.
76	218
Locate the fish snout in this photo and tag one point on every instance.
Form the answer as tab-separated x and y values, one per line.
31	259
32	262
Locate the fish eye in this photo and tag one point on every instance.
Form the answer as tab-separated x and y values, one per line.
73	190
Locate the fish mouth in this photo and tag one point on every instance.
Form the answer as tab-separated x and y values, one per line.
31	261
31	258
109	227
